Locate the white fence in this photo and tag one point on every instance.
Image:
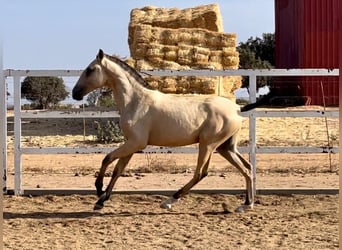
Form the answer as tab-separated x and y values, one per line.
252	149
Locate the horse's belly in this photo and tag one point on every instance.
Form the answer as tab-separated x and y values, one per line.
172	138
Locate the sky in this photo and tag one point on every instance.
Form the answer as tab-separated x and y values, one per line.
41	34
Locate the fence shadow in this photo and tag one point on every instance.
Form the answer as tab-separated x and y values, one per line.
91	214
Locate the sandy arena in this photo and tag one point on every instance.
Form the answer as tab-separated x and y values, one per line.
197	221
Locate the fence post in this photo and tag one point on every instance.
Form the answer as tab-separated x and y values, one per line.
3	128
17	135
252	128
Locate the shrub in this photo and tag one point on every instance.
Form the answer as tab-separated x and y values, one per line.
109	132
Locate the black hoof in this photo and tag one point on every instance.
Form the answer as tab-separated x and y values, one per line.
98	206
99	203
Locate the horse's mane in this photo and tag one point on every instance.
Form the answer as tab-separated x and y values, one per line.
130	69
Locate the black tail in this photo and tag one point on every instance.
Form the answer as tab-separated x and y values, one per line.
264	100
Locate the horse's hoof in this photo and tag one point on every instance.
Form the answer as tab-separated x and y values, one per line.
243	208
165	205
98	206
168	203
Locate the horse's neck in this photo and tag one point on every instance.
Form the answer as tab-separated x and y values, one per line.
127	90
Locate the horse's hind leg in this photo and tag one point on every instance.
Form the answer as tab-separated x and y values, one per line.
228	151
120	166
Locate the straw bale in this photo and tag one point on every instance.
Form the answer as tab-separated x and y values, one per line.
185	36
200	59
171	65
156	62
142	33
140	52
185	53
228	85
201	50
168	85
183	39
229	53
215	57
145	34
170	53
155	51
223	86
230	62
168	37
143	65
228	40
205	16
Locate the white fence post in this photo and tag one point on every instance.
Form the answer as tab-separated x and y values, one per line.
252	128
17	136
3	128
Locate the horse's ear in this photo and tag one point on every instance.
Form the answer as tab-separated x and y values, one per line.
100	55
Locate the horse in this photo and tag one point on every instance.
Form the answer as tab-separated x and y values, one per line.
150	117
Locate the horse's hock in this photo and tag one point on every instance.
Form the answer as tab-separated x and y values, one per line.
193	38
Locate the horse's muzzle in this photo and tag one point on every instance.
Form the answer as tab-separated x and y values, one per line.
77	94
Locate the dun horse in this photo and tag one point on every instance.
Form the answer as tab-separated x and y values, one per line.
149	117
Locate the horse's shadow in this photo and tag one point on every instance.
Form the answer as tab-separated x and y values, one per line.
92	214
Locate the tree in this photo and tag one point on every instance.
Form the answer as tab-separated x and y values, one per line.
101	98
43	91
257	53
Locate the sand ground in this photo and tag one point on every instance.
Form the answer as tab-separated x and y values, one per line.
197	221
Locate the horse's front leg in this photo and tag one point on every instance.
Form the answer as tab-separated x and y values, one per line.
99	179
104	195
124	154
203	161
127	149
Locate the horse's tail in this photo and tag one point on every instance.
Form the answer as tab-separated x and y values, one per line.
261	101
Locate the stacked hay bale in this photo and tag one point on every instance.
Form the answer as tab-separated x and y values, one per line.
176	39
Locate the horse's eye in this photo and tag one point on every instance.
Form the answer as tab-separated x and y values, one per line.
89	71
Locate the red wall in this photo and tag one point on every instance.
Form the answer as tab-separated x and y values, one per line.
340	78
306	36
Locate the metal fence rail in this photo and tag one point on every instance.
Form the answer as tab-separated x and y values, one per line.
252	149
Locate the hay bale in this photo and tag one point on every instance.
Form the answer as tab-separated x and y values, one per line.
205	16
184	54
184	39
155	50
170	53
145	34
230	59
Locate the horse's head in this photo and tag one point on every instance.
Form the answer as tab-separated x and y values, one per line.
93	77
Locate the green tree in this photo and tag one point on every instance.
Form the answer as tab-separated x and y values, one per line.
43	91
257	53
101	98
